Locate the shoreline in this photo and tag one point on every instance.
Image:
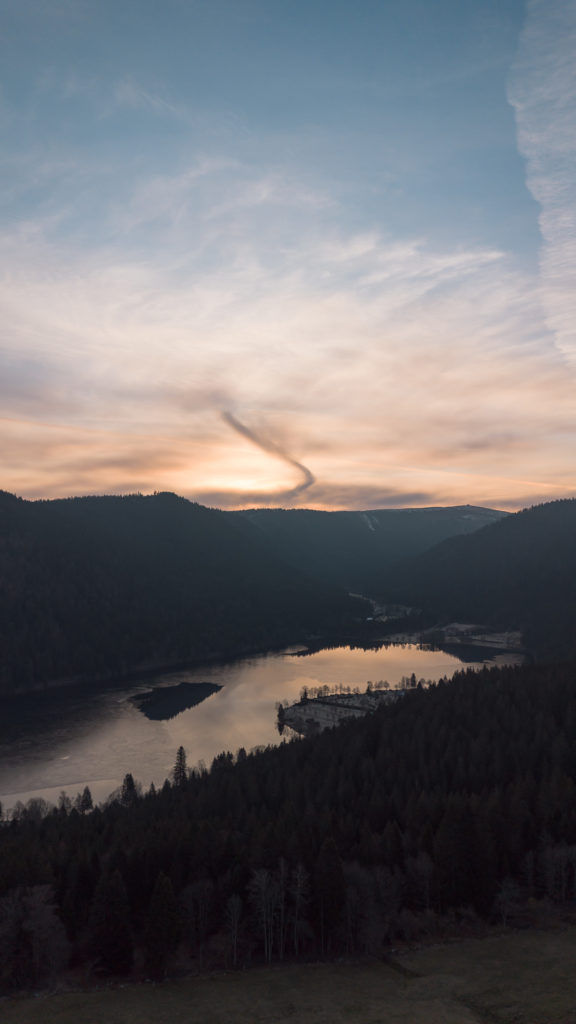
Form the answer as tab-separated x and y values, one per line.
147	669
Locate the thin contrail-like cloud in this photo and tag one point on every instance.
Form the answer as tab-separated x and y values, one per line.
272	448
542	90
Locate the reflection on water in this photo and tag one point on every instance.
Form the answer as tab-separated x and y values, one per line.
168	701
66	739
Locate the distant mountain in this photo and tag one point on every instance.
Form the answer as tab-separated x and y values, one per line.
357	549
100	585
518	573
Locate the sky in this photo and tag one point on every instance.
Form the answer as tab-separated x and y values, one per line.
312	254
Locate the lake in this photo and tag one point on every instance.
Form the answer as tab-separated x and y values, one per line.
72	737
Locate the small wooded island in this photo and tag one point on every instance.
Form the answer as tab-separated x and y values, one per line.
168	701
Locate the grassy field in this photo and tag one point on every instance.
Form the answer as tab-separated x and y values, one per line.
518	978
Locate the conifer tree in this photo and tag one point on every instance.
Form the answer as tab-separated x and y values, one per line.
129	793
84	802
180	771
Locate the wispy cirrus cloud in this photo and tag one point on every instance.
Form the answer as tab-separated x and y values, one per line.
129	93
542	91
368	359
156	293
205	209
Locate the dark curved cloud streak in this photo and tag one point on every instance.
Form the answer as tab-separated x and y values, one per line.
266	445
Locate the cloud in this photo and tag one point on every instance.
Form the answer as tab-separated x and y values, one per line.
542	91
32	386
272	448
362	498
59	459
168	198
325	497
399	371
128	93
515	502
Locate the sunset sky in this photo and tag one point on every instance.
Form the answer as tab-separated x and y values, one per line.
310	253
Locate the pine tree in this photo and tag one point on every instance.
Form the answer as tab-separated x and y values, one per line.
129	793
83	801
180	771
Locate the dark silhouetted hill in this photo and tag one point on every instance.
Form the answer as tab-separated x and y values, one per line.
356	549
518	573
100	585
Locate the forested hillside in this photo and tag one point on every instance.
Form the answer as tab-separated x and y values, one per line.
100	585
457	799
357	549
519	573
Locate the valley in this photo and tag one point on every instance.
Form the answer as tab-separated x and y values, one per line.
452	802
93	735
288	512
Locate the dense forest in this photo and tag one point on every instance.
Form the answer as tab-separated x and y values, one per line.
94	586
457	800
357	549
518	573
100	586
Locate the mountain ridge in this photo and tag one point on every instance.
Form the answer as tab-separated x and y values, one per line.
100	584
519	573
354	549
